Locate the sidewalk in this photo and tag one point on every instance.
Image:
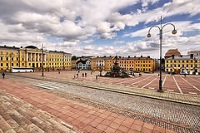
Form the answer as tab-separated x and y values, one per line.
81	117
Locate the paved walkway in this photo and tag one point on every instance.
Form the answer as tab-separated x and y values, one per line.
65	77
81	117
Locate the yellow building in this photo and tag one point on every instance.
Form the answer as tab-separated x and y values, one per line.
32	57
126	63
144	64
188	64
9	57
102	63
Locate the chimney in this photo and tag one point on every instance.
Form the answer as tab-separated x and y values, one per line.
172	56
191	56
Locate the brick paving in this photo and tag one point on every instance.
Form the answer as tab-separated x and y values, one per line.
77	116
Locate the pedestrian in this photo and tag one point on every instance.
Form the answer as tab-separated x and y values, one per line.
77	75
85	74
74	75
3	75
82	74
96	76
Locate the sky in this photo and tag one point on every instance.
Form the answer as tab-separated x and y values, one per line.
101	27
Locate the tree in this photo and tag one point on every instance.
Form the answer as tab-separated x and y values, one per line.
74	57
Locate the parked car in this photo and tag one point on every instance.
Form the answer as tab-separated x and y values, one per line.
183	73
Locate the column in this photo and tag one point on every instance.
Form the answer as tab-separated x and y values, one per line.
31	57
27	56
38	57
34	56
44	57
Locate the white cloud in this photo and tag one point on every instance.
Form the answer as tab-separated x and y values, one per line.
88	41
26	22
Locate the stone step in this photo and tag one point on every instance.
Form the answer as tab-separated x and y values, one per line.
17	115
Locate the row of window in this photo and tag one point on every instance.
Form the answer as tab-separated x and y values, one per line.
143	65
37	64
143	69
181	61
8	64
142	61
8	58
183	65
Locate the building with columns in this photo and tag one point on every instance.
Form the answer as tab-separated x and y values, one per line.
32	57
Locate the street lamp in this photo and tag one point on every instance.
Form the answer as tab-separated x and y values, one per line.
161	36
42	61
11	59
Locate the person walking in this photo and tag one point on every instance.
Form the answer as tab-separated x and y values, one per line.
3	75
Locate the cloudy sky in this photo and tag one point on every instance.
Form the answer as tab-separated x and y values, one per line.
100	27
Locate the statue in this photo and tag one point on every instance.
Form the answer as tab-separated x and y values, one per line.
116	71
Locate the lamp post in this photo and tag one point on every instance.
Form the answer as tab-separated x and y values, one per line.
161	37
42	62
11	59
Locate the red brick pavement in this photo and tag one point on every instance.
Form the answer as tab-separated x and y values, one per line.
83	117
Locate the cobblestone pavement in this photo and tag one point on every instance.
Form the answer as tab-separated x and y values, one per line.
83	117
182	114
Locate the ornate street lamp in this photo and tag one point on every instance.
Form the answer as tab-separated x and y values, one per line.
42	61
161	36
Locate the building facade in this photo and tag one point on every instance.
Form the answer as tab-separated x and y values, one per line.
188	64
32	57
83	65
102	63
142	64
126	63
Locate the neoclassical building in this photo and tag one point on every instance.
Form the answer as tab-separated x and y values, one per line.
32	57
